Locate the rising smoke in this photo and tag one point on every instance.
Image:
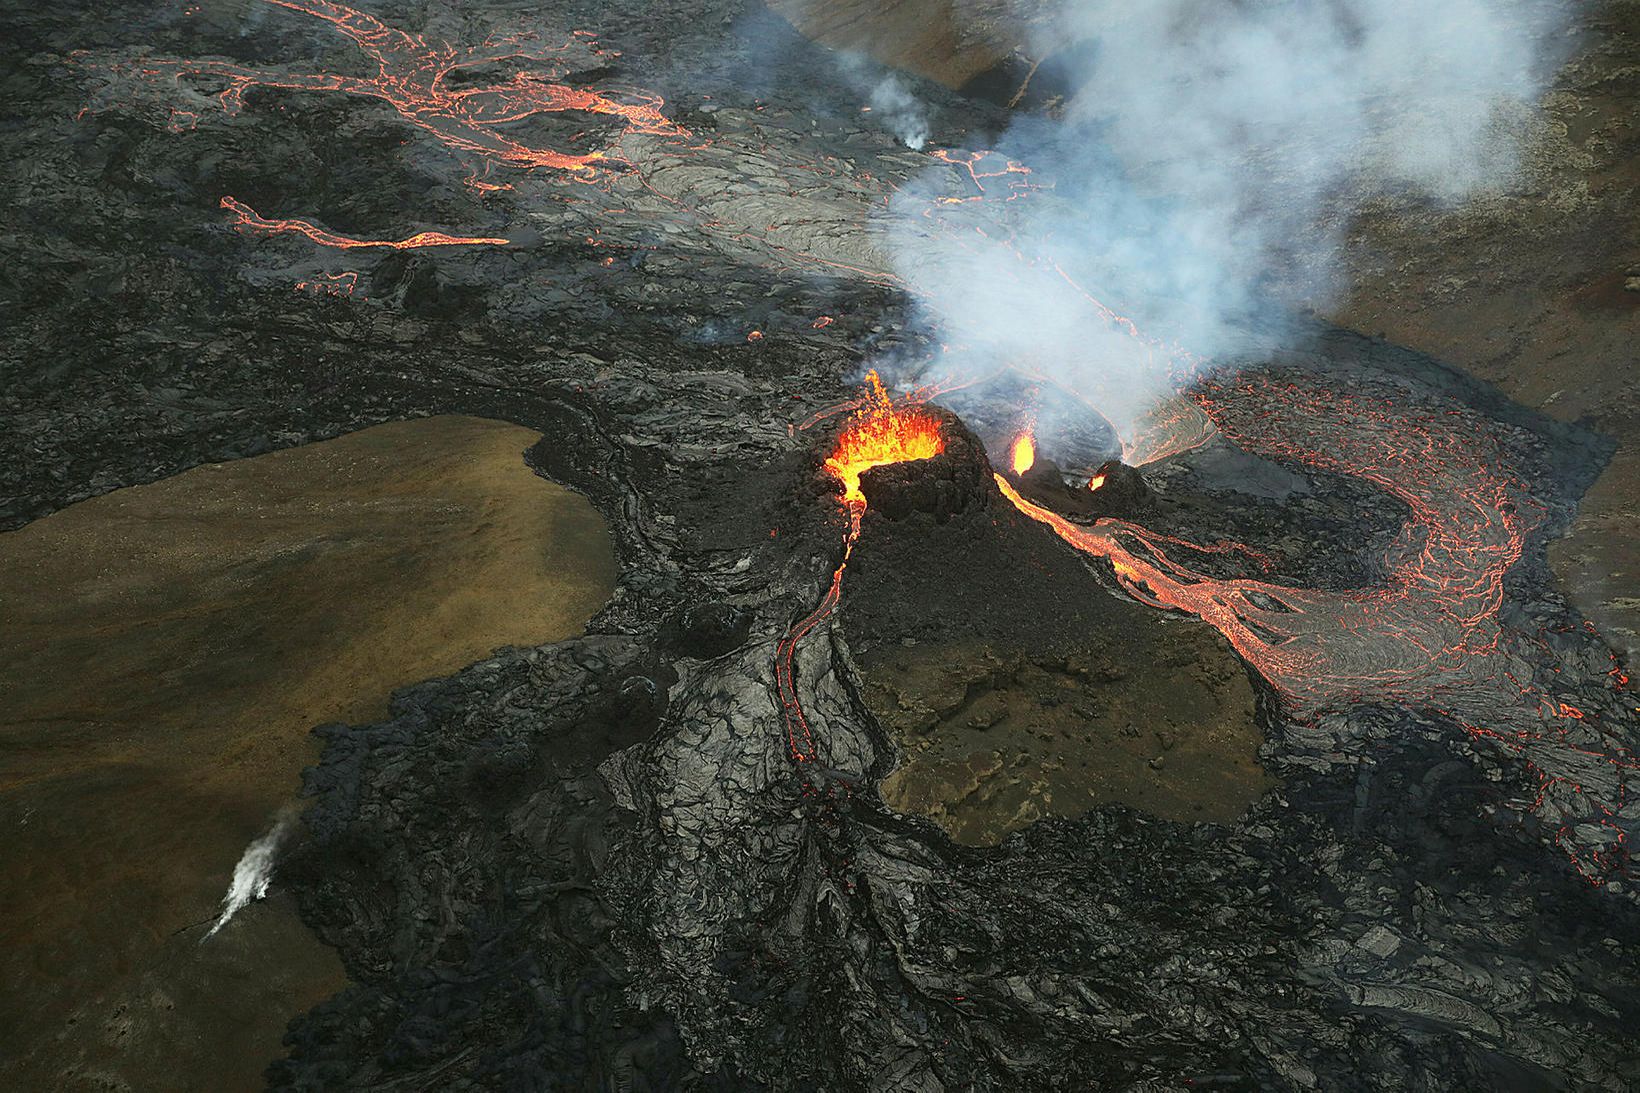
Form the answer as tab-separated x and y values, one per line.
900	112
255	869
893	106
1203	170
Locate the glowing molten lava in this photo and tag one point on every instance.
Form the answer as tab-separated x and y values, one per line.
1434	634
879	433
472	117
1023	454
1096	481
248	218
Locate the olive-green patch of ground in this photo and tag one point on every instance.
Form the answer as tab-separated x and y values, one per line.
994	738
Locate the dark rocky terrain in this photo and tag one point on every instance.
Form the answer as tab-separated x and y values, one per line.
594	864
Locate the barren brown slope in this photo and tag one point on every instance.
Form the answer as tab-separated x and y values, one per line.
166	650
942	40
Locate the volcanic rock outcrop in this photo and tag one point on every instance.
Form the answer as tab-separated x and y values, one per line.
1115	489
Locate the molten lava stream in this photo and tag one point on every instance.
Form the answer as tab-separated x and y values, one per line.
1431	636
878	433
247	218
799	737
413	77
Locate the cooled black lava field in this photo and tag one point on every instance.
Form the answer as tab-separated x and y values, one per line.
1247	742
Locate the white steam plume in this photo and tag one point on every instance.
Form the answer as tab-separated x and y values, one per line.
893	106
900	112
255	869
1206	165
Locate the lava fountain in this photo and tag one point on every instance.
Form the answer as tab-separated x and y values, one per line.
878	432
1022	456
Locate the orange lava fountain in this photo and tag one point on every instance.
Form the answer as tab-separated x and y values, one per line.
1023	454
878	433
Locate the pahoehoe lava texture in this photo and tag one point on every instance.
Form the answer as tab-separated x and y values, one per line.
594	864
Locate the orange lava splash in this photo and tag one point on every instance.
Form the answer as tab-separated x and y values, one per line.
879	433
1022	457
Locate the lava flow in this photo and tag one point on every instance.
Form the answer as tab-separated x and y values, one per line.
413	76
1430	637
246	217
878	432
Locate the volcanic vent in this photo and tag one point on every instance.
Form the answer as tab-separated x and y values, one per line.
1013	684
948	484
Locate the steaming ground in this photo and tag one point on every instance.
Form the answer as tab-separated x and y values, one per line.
1194	173
254	871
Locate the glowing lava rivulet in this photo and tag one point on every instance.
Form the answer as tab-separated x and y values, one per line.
247	218
414	76
879	431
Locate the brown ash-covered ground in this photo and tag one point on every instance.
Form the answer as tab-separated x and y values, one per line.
1016	686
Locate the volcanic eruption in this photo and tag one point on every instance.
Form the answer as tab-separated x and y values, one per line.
878	432
1022	454
1052	634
